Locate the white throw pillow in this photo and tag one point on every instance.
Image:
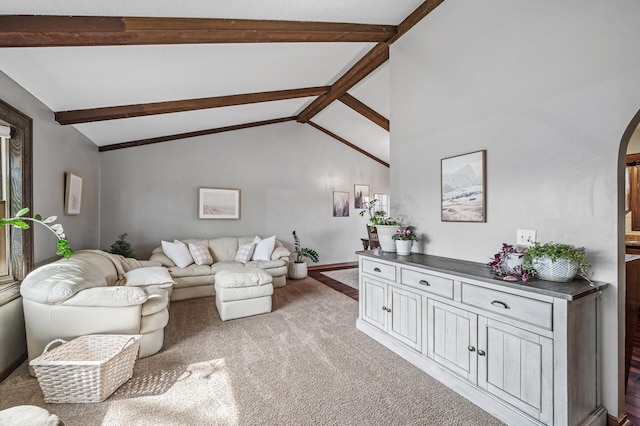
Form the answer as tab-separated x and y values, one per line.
178	252
148	275
264	248
245	252
200	254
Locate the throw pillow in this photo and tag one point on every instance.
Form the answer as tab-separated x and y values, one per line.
264	248
148	275
178	252
200	254
245	252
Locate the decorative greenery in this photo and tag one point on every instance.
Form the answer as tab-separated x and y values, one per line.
302	252
500	267
404	235
122	247
18	221
377	217
557	251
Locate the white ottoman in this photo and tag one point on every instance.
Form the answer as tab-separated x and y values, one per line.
243	293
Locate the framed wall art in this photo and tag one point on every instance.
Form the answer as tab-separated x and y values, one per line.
72	194
360	196
464	192
340	204
218	203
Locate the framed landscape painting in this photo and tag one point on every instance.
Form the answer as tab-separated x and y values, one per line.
218	203
340	204
464	188
360	196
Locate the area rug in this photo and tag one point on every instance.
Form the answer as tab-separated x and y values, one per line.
345	276
303	364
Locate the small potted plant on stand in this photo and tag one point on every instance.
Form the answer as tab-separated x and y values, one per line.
557	262
298	268
386	227
404	239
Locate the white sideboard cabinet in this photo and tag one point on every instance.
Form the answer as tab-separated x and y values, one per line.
525	352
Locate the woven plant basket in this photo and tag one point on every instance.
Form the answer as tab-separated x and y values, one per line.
562	270
86	369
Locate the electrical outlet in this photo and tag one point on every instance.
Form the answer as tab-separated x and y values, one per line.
525	237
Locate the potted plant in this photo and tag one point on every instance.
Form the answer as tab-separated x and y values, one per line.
404	239
19	221
298	268
122	247
508	264
557	262
385	226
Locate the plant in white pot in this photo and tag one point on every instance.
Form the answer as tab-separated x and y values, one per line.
298	268
404	239
557	262
385	226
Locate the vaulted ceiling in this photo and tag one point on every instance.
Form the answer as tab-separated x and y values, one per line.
133	73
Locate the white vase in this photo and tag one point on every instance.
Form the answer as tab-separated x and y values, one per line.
297	271
385	232
403	247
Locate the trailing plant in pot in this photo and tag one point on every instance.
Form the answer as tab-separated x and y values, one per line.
298	268
508	264
385	226
557	262
404	239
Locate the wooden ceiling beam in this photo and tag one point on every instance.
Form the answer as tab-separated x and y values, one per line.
160	139
139	110
414	17
346	142
365	110
49	31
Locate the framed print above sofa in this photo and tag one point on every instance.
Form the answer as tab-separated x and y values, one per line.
218	203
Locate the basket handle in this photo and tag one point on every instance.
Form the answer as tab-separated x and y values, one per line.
128	340
46	348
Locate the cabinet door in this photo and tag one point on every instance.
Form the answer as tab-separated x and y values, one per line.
373	296
406	316
452	339
517	367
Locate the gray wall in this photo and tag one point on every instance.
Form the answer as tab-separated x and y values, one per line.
286	173
549	94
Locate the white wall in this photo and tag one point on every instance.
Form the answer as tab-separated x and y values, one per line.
57	149
286	173
548	91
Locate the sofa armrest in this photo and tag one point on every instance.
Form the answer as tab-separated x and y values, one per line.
108	296
162	258
281	253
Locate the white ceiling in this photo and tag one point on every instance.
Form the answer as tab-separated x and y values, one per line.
69	78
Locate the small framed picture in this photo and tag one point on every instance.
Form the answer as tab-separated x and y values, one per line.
464	192
360	196
218	203
340	204
72	194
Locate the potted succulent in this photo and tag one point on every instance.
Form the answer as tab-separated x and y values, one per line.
557	262
385	226
298	268
404	239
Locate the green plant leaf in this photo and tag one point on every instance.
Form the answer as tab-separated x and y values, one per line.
50	219
22	212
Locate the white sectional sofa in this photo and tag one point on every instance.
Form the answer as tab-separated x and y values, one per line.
197	280
94	292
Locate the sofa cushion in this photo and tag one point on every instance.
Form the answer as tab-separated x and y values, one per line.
267	264
108	296
224	294
245	251
248	277
227	266
223	249
154	322
158	299
263	248
200	254
189	271
178	252
148	276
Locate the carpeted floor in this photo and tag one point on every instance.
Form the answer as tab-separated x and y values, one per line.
303	364
345	276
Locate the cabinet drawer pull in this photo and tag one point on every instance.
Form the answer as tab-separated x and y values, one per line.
384	308
471	348
500	304
481	352
376	270
424	282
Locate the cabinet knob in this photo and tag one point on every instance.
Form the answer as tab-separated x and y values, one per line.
500	304
384	308
388	309
471	349
424	282
481	352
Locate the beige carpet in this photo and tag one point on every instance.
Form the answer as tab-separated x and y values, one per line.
345	276
302	364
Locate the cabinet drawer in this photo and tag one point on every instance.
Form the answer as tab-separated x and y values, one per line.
427	282
521	308
378	269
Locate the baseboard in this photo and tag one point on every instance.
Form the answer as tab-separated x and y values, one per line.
15	364
333	266
622	421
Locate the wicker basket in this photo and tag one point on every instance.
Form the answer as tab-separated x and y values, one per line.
86	369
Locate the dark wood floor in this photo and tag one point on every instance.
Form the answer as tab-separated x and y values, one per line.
342	288
632	398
